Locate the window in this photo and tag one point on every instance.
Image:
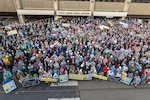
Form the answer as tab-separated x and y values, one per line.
74	0
141	1
110	0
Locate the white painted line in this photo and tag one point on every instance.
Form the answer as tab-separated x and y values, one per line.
77	98
69	83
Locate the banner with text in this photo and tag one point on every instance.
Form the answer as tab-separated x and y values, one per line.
80	77
126	80
13	32
100	77
63	78
8	87
48	79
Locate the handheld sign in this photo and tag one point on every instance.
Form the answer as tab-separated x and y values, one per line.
13	32
125	25
102	27
48	79
10	86
63	78
80	77
75	77
65	24
100	77
126	80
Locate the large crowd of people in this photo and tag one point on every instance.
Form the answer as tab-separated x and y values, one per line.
79	45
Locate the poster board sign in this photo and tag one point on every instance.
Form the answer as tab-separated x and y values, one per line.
80	77
88	77
27	82
58	17
125	25
110	23
126	80
140	21
102	27
149	22
48	79
100	77
13	32
65	24
7	27
10	86
75	77
63	78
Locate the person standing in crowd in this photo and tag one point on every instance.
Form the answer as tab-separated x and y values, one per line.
80	47
1	73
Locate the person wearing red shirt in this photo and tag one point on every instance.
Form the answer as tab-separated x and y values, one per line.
105	69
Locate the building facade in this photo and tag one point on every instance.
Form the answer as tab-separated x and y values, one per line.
107	8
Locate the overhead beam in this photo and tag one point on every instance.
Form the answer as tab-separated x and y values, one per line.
35	12
110	14
73	13
126	5
20	16
92	6
55	4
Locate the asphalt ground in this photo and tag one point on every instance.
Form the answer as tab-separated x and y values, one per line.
40	92
105	90
86	90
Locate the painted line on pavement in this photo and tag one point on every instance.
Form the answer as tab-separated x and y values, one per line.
47	91
77	98
69	83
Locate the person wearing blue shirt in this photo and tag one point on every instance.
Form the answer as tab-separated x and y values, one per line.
112	68
6	81
98	67
7	74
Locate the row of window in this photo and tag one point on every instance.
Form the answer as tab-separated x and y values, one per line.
134	1
141	1
111	0
97	0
